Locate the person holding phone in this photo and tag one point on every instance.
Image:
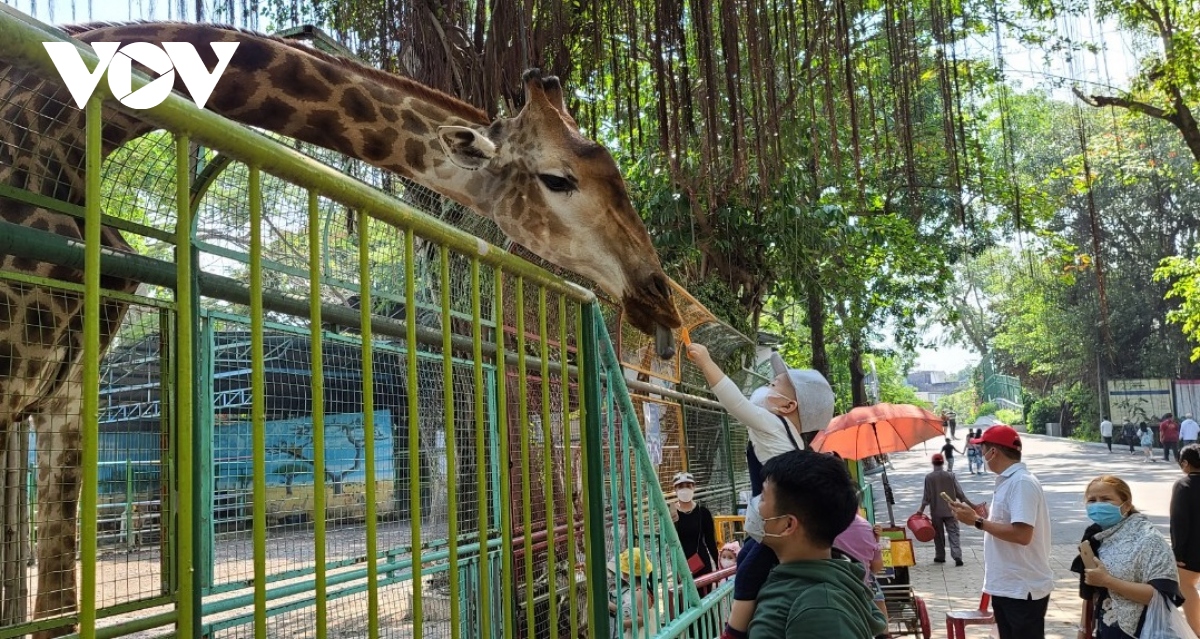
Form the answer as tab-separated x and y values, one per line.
940	485
1016	538
1123	562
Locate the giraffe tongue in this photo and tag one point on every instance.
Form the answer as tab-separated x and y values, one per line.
664	342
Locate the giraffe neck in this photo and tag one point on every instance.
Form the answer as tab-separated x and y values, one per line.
288	88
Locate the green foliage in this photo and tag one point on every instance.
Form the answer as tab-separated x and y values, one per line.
986	408
961	403
1008	416
1184	276
893	388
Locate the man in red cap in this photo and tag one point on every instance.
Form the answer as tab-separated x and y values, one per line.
1016	539
936	483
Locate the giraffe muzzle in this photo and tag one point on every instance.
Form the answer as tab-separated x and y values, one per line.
664	342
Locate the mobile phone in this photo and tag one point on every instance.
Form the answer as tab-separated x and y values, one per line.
947	498
1089	557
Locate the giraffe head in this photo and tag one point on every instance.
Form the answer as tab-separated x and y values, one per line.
568	202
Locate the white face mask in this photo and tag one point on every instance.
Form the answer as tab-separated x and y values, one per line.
728	563
685	495
759	397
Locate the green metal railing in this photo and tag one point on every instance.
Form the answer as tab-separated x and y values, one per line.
518	557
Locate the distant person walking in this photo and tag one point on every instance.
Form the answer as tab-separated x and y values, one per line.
937	482
1016	540
1146	438
1189	431
1106	430
1168	434
1129	434
948	453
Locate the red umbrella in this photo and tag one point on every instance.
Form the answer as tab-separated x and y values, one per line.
868	431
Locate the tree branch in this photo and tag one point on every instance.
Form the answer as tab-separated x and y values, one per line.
1132	105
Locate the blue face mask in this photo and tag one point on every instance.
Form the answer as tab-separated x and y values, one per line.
1105	514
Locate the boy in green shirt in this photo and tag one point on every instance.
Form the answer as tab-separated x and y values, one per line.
808	499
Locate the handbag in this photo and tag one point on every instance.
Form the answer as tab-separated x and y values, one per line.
694	561
1164	621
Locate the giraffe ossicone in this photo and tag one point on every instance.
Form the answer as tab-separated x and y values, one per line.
546	186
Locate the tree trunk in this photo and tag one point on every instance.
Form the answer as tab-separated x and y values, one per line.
816	327
858	390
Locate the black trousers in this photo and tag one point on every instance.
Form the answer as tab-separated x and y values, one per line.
1021	618
1108	440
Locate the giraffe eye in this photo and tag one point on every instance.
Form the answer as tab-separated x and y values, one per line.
557	183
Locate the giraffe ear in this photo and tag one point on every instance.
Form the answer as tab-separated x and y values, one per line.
466	147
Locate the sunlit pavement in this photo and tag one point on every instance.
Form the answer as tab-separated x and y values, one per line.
1064	468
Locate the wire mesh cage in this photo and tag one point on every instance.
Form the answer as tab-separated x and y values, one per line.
387	434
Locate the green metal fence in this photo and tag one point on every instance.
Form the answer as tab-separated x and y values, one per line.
351	419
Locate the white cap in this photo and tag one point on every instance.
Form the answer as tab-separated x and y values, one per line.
813	394
683	478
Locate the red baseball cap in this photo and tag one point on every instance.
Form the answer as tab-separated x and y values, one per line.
1000	435
938	459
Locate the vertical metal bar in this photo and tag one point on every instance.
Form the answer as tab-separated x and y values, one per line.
318	407
185	408
414	433
368	380
258	407
202	445
616	483
90	420
526	489
568	462
590	443
129	504
508	598
451	443
729	472
548	463
481	467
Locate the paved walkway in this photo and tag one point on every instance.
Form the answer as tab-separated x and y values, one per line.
1064	468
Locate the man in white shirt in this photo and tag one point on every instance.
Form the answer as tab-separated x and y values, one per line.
1189	431
1016	540
1106	432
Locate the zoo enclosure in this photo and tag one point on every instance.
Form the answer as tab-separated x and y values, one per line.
500	392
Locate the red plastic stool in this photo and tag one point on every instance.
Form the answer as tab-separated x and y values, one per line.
958	620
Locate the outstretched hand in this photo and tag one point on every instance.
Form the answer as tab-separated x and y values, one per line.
698	352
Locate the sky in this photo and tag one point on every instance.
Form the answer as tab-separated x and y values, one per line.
949	359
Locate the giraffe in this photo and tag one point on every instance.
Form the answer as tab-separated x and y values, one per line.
546	186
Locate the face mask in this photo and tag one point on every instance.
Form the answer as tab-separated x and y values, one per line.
728	563
758	527
759	397
1105	514
685	495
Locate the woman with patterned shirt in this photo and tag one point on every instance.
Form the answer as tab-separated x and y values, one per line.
1136	562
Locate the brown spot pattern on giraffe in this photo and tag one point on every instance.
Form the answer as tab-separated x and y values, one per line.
379	144
304	85
274	109
414	155
357	105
